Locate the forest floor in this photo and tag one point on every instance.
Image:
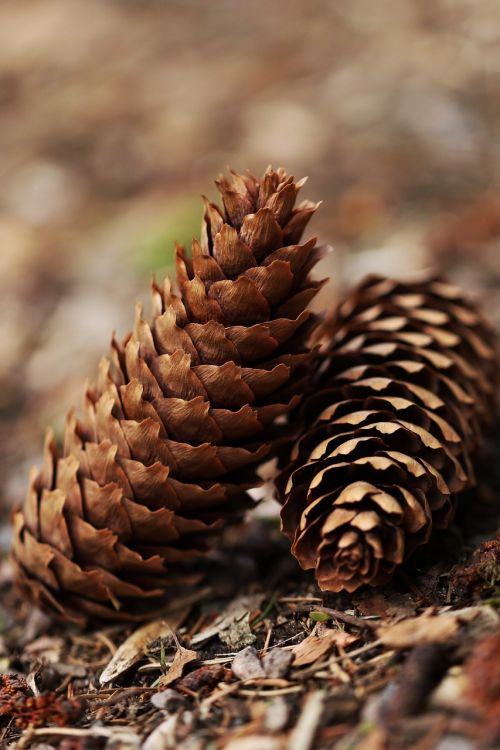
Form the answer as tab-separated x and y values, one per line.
261	660
113	116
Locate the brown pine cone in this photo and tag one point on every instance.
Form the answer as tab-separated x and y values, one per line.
176	423
402	397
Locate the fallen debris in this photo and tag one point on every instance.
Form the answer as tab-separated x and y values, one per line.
319	643
373	672
135	646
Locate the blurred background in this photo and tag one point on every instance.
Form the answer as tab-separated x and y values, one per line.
116	114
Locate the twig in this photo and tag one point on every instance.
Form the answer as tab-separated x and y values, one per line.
267	641
271	693
94	731
302	736
357	622
225	690
107	642
310	671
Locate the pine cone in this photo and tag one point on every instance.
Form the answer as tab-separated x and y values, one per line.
399	407
176	423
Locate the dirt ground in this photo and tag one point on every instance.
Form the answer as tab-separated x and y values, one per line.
271	664
115	116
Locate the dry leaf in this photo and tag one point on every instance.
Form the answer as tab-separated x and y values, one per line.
416	631
386	606
481	619
319	643
371	603
182	657
135	646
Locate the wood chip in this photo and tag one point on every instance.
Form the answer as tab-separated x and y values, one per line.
319	643
302	737
417	631
163	736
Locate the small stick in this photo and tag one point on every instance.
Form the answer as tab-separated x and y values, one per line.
107	642
357	622
268	640
348	654
271	693
302	736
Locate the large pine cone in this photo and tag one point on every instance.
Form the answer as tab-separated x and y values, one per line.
402	398
178	420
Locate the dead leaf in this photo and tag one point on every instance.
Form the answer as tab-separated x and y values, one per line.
137	644
417	631
32	677
182	657
246	665
319	643
371	603
389	605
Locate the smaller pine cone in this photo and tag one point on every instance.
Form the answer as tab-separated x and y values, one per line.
402	397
